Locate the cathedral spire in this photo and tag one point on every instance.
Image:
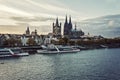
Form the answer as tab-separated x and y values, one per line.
66	19
75	27
70	24
70	19
57	22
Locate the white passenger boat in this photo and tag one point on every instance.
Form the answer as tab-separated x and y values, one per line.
19	52
56	49
7	53
12	52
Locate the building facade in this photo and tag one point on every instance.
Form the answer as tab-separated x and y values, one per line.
75	33
69	32
57	29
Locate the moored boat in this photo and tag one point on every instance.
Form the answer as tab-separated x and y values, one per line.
19	52
31	49
58	49
7	53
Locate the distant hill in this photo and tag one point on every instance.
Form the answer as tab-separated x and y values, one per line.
107	26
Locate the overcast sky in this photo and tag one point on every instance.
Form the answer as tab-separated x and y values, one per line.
93	8
48	10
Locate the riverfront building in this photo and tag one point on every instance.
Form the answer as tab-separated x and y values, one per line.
68	30
71	32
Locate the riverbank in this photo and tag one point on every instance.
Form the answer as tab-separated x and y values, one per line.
91	43
33	49
90	47
83	44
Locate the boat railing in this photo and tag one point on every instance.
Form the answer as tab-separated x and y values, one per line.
57	48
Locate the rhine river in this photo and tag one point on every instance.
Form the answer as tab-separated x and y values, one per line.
102	64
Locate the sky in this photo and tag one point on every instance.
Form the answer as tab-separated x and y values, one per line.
16	15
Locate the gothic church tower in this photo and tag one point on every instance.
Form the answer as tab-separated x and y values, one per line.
28	31
57	29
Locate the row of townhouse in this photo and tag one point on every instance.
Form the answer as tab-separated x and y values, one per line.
23	39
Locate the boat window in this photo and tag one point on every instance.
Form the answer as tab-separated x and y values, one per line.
65	49
17	50
52	49
3	52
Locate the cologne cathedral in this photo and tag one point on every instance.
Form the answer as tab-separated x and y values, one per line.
71	32
68	31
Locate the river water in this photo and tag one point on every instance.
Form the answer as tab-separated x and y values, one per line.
103	64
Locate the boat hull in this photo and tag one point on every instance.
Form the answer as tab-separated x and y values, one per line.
56	52
23	54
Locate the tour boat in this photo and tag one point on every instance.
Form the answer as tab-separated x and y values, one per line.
19	52
7	53
59	49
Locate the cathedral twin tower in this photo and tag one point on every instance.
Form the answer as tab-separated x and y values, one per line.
67	28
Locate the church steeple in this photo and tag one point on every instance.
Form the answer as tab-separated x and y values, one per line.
35	31
66	19
75	27
70	20
28	31
66	28
57	22
70	24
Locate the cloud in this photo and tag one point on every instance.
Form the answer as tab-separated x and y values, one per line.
12	10
31	19
15	15
46	6
111	23
7	22
36	7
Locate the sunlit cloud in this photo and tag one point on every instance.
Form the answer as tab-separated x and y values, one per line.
42	13
12	10
111	23
46	6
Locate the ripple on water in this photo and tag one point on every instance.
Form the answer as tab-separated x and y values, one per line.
86	65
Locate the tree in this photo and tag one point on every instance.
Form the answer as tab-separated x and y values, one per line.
72	42
31	41
12	42
64	41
